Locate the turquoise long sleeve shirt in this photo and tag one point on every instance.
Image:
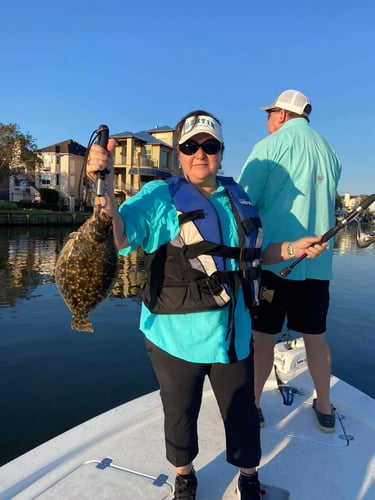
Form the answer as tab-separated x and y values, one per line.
151	221
292	176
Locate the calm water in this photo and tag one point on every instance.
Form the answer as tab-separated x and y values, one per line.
52	378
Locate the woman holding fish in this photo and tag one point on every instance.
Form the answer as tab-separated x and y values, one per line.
205	243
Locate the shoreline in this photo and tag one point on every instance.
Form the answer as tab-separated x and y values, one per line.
51	219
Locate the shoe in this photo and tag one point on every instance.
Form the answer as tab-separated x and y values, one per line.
249	487
262	422
326	422
185	487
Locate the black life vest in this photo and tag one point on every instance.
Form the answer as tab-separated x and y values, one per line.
188	274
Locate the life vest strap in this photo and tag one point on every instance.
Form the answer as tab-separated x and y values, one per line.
208	248
233	279
251	223
190	216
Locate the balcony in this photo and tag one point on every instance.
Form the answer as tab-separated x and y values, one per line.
152	172
128	189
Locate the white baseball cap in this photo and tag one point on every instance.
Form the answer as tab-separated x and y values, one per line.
291	100
203	124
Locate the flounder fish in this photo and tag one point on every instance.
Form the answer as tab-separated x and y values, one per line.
86	268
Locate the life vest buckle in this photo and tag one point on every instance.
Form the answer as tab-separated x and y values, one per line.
214	283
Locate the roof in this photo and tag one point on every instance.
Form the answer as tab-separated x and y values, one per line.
148	138
159	128
69	146
123	134
145	136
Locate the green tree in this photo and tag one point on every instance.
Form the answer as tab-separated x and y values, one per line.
49	195
17	153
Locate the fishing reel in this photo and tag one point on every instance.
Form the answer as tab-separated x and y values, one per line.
363	238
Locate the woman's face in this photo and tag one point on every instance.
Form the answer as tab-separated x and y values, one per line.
200	167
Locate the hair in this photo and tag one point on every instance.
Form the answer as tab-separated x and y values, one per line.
179	127
307	110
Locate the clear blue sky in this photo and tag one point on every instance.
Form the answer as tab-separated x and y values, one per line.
67	66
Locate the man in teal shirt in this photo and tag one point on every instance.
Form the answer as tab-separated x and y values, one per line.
292	176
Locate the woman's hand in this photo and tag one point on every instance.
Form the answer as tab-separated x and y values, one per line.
101	159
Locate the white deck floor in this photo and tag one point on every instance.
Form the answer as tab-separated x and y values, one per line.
297	456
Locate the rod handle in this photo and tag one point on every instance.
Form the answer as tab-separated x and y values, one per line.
103	135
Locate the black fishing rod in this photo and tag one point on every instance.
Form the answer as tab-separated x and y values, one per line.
102	140
331	232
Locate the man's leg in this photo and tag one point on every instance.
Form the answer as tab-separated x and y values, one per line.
268	317
319	362
263	361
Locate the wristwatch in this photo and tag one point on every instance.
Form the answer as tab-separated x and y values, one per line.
289	249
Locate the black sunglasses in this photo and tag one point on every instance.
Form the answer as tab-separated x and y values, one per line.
272	110
210	147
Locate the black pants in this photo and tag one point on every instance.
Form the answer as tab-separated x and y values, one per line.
181	386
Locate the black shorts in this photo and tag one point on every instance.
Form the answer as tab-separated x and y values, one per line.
304	305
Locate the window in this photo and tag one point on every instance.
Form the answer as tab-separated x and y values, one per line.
45	179
165	159
123	151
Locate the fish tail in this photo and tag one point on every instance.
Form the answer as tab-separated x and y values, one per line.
81	323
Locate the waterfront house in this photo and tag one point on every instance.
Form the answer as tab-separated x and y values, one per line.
62	169
17	182
350	202
141	157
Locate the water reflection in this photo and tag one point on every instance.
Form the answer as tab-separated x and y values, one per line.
131	276
28	258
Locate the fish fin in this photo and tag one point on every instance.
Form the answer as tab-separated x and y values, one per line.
81	323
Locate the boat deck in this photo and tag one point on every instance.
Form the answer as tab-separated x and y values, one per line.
120	454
